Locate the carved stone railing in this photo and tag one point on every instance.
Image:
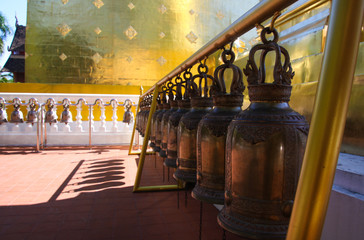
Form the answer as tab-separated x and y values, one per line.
46	120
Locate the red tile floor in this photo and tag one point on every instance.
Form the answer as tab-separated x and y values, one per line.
87	194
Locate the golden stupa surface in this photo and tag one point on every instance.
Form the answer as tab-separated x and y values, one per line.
120	42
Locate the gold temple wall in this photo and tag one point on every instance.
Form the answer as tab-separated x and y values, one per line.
118	42
306	45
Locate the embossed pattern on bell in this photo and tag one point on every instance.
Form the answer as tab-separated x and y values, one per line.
201	104
164	125
158	123
264	151
211	138
153	127
211	133
184	105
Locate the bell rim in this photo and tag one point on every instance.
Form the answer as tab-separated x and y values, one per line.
198	189
228	224
168	162
185	176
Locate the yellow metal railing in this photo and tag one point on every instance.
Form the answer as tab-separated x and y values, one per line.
329	113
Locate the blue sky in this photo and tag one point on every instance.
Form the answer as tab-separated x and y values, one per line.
10	8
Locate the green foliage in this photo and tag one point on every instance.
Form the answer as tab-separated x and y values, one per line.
6	77
4	31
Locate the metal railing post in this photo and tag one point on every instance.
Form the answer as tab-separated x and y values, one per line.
328	120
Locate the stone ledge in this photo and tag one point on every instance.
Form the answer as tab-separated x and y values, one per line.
350	173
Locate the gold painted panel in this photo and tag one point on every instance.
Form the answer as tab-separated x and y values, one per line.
132	42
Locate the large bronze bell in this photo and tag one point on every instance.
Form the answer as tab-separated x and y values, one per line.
211	132
146	114
51	114
128	115
3	114
158	121
137	117
184	105
140	115
32	115
164	125
153	126
16	116
187	128
265	146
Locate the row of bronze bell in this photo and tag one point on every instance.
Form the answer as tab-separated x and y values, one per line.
247	160
17	116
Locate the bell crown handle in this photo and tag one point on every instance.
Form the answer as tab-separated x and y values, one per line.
201	88
282	74
219	84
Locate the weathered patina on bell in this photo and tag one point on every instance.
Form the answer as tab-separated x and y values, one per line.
143	114
212	129
16	116
146	113
138	116
153	124
158	121
164	126
32	115
128	115
184	105
265	146
201	104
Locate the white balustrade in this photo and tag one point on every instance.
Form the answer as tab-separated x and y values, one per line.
52	130
78	127
114	116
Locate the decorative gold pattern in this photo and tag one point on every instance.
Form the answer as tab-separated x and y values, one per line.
162	34
191	37
147	43
63	57
161	60
97	30
26	55
63	29
162	9
131	6
64	2
130	32
96	57
220	15
129	59
98	3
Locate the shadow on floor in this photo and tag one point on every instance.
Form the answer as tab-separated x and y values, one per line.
103	208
